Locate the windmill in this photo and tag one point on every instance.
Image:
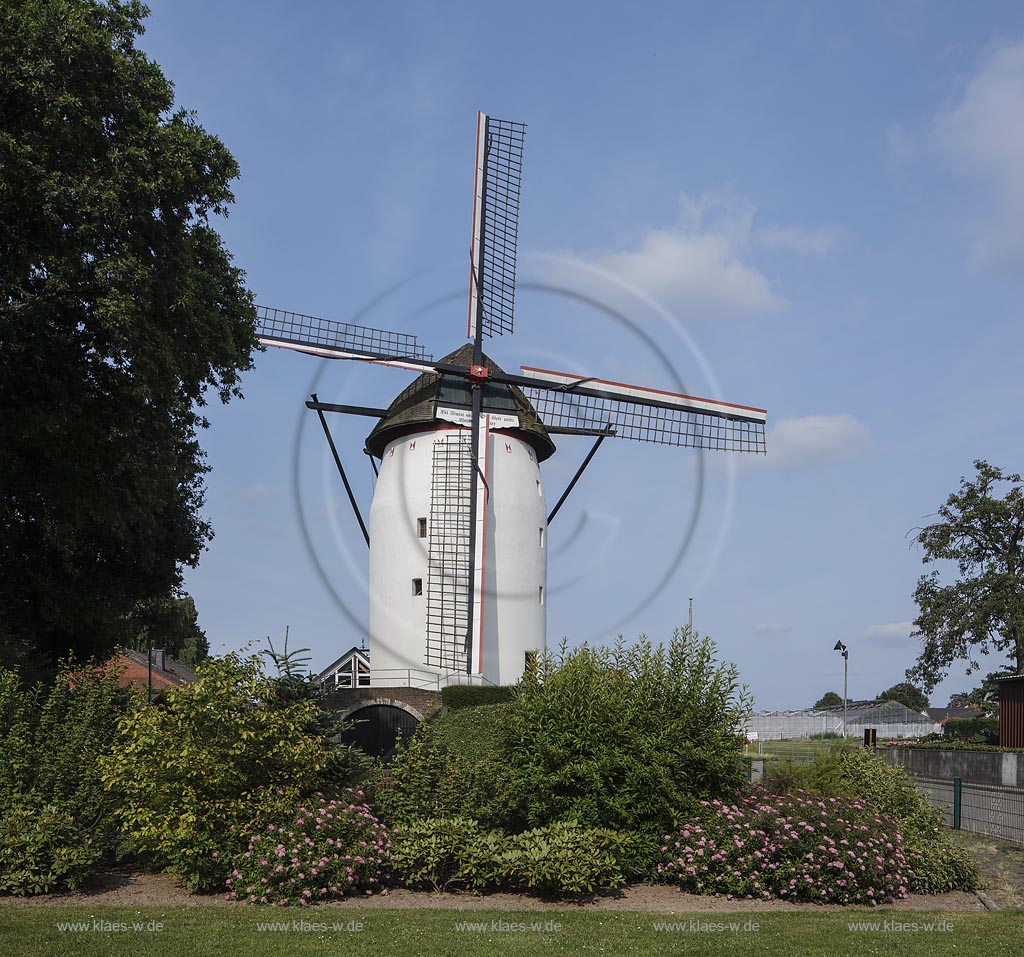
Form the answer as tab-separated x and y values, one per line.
458	524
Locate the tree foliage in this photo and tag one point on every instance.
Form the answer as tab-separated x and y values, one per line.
829	700
171	624
218	753
982	535
985	697
56	820
119	311
626	737
905	693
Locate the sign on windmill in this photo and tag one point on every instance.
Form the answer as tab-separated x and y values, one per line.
458	524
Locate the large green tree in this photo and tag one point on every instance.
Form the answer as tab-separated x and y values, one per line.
981	533
829	700
906	693
120	311
173	625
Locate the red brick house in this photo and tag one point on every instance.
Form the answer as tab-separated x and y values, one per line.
166	672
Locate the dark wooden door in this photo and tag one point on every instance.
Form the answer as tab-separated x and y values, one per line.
378	728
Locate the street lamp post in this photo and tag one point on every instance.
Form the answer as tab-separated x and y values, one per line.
846	668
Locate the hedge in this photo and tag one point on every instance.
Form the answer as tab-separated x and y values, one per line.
966	728
472	696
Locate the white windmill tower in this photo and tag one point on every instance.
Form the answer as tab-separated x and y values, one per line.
458	524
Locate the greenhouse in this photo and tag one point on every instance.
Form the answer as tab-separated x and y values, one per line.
889	719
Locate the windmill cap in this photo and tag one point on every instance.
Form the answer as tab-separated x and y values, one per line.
415	407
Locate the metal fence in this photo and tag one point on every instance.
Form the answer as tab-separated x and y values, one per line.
986	809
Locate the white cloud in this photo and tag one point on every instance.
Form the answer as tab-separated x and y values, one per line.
697	265
770	628
803	242
884	633
814	441
984	135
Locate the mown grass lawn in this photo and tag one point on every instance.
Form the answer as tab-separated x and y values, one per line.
27	931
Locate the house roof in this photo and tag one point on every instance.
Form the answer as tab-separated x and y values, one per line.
416	406
944	714
353	652
136	671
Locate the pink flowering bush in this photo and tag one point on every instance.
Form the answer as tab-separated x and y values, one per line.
792	846
333	848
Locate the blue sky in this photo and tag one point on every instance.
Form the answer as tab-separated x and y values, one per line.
813	208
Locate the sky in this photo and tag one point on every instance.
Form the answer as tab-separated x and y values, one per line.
813	208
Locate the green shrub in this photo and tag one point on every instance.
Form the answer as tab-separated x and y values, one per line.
938	864
220	758
43	849
450	767
561	858
791	846
948	744
436	852
623	738
456	697
327	849
979	730
51	741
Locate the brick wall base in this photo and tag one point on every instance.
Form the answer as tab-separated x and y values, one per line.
419	702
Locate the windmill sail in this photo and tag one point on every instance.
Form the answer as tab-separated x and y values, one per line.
492	281
339	340
571	402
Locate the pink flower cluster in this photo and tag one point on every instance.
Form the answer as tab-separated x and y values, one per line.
333	848
794	846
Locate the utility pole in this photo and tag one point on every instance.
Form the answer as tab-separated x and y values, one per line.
691	616
846	667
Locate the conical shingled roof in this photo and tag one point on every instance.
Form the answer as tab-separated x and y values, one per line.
416	406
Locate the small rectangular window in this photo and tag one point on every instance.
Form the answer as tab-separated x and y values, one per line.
541	530
417	586
421	527
540	594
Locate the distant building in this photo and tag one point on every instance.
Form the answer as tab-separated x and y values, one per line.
890	719
942	715
351	670
166	672
1011	711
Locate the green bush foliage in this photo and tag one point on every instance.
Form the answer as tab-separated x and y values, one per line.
435	853
456	697
57	819
937	863
792	846
329	848
219	759
627	738
561	858
450	767
43	849
978	730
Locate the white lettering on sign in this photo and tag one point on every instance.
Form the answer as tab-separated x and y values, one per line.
465	417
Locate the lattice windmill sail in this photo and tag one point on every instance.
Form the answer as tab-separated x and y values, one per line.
458	524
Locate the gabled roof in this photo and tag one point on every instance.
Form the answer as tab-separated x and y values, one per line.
416	406
354	652
136	671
